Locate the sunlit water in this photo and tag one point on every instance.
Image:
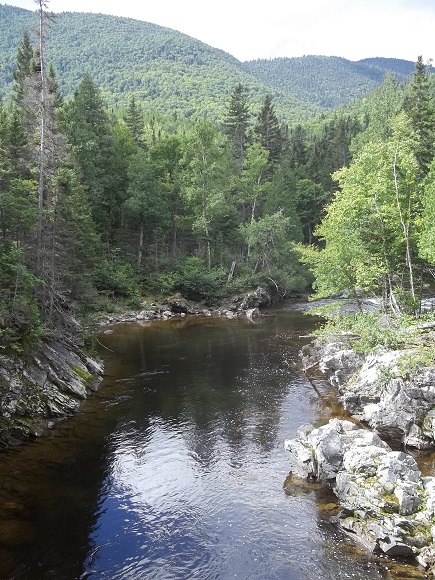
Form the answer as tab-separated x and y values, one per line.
176	468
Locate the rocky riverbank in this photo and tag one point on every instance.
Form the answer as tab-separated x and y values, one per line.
247	305
386	503
38	390
391	391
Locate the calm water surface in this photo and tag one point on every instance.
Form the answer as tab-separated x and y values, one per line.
176	468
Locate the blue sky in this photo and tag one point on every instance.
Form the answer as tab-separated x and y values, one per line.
250	29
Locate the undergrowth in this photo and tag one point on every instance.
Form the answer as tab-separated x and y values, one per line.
368	331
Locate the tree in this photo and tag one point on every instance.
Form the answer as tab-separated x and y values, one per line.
134	121
370	228
94	148
22	68
236	122
426	242
420	107
205	180
270	239
253	180
267	130
383	106
297	147
145	201
166	158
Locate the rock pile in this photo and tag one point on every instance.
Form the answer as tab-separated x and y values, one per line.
385	501
380	391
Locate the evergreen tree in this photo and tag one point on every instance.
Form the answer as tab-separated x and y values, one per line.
420	106
236	122
94	147
22	69
297	147
267	130
134	121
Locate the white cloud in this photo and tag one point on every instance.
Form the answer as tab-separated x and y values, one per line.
352	29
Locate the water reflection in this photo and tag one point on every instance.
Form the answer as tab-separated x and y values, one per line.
175	469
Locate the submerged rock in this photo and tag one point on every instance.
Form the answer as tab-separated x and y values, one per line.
385	501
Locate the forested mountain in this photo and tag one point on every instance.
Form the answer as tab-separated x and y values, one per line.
173	73
170	71
327	81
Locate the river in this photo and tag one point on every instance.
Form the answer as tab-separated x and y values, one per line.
175	469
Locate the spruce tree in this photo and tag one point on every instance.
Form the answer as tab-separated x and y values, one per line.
22	70
420	107
94	147
134	121
236	122
267	130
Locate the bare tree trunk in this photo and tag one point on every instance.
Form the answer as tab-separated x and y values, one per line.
140	248
41	179
405	226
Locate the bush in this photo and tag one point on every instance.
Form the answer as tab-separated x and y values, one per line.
116	277
368	330
196	282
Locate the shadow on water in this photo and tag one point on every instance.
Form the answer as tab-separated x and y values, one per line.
175	468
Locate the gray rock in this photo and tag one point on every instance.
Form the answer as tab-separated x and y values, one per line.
253	313
50	384
378	391
386	502
260	297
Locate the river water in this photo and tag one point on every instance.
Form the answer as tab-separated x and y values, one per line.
175	469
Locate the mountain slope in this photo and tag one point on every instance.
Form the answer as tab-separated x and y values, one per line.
169	71
172	73
327	81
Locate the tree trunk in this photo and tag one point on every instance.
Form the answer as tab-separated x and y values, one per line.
140	248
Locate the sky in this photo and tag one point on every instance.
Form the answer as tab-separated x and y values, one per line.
250	29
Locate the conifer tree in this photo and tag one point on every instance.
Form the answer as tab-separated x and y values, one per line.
22	70
420	106
236	122
101	170
134	121
267	130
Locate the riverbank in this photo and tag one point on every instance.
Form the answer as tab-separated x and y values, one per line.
248	304
384	371
37	390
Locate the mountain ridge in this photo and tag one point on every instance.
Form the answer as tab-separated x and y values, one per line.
171	72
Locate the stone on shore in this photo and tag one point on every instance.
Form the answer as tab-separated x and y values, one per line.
385	501
380	391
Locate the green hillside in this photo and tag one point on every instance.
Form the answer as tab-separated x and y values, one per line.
327	81
170	71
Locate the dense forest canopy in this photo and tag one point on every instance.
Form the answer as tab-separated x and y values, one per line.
97	204
170	72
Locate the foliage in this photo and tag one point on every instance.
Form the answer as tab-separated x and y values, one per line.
131	201
115	277
196	282
426	242
369	229
166	71
366	331
20	321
